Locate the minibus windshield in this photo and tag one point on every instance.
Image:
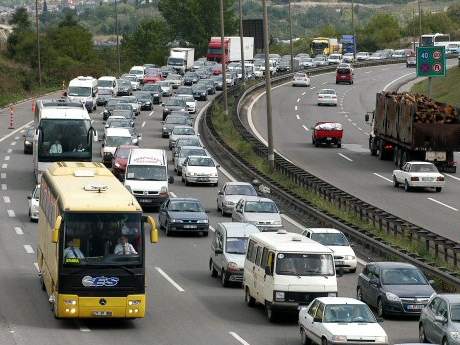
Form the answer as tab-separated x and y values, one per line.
300	264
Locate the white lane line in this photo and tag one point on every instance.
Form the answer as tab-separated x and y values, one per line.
345	157
18	230
313	87
16	138
7	158
384	69
367	72
173	194
143	124
4	166
9	150
346	115
22	131
305	127
28	248
36	267
383	177
394	81
169	279
324	83
354	124
295	108
297	116
304	93
454	177
359	128
15	131
366	133
212	228
11	213
349	120
238	338
443	204
344	112
3	175
298	100
4	186
13	143
6	199
151	113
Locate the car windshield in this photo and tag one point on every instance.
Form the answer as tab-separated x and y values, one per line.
321	58
327	92
136	71
240	190
403	276
175	102
300	75
423	168
176	120
36	194
120	123
183	131
236	245
143	96
188	142
123	106
81	91
343	71
185	206
120	112
192	152
115	141
105	83
124	83
130	77
104	92
299	264
455	312
260	207
175	61
146	172
348	313
201	162
330	239
184	91
123	153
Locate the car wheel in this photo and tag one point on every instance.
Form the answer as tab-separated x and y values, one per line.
271	314
324	341
395	182
304	340
380	310
339	145
223	213
167	231
438	189
223	278
185	181
250	301
406	186
421	334
444	341
214	272
353	270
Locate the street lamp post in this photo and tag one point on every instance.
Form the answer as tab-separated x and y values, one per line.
38	44
118	40
223	56
290	37
420	23
353	28
243	72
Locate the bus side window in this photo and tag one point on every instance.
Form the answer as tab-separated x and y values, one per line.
250	250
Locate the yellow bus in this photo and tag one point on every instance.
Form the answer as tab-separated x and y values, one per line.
91	243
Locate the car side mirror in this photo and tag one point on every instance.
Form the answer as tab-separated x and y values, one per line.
366	117
29	197
171	179
317	319
440	319
55	233
220	193
154	238
218	251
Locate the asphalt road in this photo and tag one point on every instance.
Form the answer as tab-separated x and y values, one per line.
189	308
352	168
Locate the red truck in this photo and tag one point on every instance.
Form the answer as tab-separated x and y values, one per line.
329	133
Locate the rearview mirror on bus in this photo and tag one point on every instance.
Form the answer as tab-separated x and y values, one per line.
153	229
57	226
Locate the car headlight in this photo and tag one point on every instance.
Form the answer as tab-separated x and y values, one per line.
156	95
117	165
455	335
27	142
202	221
276	222
349	257
280	296
176	221
392	297
166	109
70	302
339	338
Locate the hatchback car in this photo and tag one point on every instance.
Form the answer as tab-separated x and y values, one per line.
28	140
132	100
200	169
175	79
173	104
166	88
155	91
301	79
120	160
418	175
232	192
183	153
200	92
262	212
172	121
145	99
109	107
125	87
327	97
344	75
190	78
34	201
189	140
179	132
103	96
394	288
185	215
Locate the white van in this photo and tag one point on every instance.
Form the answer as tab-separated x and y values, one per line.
115	137
108	83
284	271
83	90
146	176
139	72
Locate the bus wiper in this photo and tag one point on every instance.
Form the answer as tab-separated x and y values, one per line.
130	271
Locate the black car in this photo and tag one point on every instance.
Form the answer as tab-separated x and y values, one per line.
190	78
28	140
210	84
165	70
145	99
218	81
172	121
200	92
394	288
111	104
126	113
173	104
103	96
185	215
155	91
183	91
124	87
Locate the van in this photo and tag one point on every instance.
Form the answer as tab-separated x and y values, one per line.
83	90
284	271
344	75
139	72
146	176
108	83
228	251
115	137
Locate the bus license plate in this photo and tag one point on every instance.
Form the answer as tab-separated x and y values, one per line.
102	313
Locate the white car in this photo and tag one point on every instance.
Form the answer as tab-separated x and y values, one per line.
166	88
262	212
339	320
307	62
232	192
334	59
175	80
190	104
135	84
301	79
200	169
348	58
132	100
320	61
418	175
335	240
34	201
362	56
327	97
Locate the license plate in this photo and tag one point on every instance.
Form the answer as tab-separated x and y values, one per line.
102	313
145	200
339	262
328	138
189	226
427	179
203	179
415	306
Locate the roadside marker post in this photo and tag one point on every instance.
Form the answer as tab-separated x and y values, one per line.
11	122
33	105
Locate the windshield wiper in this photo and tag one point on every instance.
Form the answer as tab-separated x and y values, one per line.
127	270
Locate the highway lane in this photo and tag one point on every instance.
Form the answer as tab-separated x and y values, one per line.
351	168
203	313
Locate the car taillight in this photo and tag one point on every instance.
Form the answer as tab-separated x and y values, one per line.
414	178
440	178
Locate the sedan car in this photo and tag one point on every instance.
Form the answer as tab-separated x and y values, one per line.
348	58
125	87
418	175
200	92
190	104
155	91
132	78
321	61
109	107
145	99
334	59
179	132
362	56
34	201
28	140
173	104
166	87
132	100
185	215
339	320
335	240
327	97
190	78
103	96
232	192
307	62
175	79
120	160
183	153
210	85
262	212
172	121
301	79
188	140
199	169
440	320
411	61
394	288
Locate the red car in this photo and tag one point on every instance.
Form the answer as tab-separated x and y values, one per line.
329	133
152	76
120	159
344	75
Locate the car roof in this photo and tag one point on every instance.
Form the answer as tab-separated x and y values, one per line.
189	147
291	242
450	297
184	199
324	231
420	162
117	131
392	264
256	198
237	229
339	300
183	126
238	183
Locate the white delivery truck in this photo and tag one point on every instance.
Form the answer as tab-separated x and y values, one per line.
181	59
233	47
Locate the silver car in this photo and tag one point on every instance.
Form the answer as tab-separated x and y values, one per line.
172	121
189	140
262	212
440	320
179	132
175	79
183	153
34	201
133	101
232	192
166	88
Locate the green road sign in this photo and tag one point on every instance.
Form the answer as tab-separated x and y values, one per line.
431	62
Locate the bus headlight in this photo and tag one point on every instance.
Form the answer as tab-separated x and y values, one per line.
279	296
134	302
70	302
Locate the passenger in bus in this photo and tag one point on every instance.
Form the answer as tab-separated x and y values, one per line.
124	247
72	250
56	147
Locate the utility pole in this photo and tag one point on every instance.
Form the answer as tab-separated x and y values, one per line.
118	39
419	23
271	155
290	37
223	56
37	27
353	28
414	30
243	72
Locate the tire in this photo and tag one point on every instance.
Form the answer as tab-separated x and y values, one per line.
353	270
406	186
380	311
359	294
223	213
214	272
421	334
316	144
438	189
168	232
223	278
271	314
395	182
339	145
324	341
381	153
304	340
444	341
205	233
250	301
185	181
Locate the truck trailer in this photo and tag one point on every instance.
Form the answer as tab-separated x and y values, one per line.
232	47
181	59
408	127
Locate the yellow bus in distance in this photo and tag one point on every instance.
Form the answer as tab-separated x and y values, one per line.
91	243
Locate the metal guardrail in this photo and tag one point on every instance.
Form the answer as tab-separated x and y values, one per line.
436	245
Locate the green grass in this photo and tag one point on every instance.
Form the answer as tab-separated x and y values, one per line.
446	90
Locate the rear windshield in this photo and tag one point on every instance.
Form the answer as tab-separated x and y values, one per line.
343	71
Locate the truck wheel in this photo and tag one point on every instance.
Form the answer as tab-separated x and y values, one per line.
438	189
339	145
271	314
250	301
382	155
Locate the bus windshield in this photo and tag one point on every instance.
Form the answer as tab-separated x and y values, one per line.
63	139
102	239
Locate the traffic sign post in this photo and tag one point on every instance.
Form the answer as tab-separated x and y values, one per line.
431	62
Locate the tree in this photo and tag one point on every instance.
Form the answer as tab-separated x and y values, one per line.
382	31
20	20
22	27
197	20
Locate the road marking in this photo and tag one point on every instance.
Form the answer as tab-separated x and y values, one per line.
169	279
324	83
394	81
354	124
18	230
7	158
237	337
367	72
151	113
359	128
304	93
212	228
6	199
454	177
313	87
11	213
366	133
143	124
173	194
16	138
298	100
82	327
295	108
346	115
347	158
344	112
305	127
13	143
4	166
383	177
22	131
384	69
297	116
349	119
36	267
4	187
28	248
9	150
3	175
443	204
15	131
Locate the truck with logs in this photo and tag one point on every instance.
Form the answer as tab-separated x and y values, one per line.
407	127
